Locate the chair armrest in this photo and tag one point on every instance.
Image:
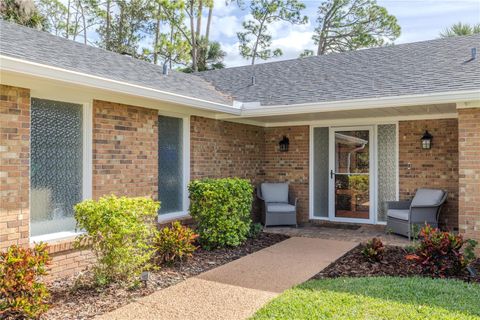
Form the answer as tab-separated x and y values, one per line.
259	194
399	204
426	206
294	202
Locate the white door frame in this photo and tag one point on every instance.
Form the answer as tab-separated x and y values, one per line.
372	175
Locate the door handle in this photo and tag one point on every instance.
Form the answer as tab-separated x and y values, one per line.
331	174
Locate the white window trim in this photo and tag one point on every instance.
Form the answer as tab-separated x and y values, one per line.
87	169
347	123
186	168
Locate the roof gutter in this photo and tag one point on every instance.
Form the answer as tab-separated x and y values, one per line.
360	104
49	72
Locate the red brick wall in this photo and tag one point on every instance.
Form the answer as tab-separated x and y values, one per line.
225	149
469	170
14	166
125	150
291	166
434	168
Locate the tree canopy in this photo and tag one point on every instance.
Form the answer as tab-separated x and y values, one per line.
255	40
345	25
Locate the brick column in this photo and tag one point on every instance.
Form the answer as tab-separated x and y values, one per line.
14	165
469	171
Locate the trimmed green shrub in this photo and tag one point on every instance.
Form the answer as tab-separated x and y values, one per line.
175	242
22	294
222	209
120	232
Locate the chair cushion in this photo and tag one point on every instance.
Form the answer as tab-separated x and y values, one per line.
280	207
427	197
275	192
398	214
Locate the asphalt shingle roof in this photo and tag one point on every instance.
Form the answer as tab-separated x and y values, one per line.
433	66
415	68
44	48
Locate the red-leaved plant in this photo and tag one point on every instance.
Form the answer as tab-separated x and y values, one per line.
374	250
22	294
438	253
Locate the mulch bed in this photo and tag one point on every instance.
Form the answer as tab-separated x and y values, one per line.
355	264
71	301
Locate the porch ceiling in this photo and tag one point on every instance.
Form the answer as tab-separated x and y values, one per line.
391	112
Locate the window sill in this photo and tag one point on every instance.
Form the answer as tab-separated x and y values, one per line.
53	237
171	217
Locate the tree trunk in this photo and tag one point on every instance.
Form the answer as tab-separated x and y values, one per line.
84	24
255	47
157	36
107	28
209	22
68	20
194	43
199	19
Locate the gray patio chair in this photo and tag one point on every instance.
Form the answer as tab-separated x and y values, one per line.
279	208
423	209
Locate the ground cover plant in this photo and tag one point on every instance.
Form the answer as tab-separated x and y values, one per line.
377	298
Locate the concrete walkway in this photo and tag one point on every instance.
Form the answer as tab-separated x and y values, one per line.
239	288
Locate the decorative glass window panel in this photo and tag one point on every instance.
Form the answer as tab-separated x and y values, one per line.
170	164
320	172
387	167
56	167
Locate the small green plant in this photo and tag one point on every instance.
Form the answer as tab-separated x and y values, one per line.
374	250
415	230
439	253
175	242
22	294
410	248
469	250
120	232
222	210
255	230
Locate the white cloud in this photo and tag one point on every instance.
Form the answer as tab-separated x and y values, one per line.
226	26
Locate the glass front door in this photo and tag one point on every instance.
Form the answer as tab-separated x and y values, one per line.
350	174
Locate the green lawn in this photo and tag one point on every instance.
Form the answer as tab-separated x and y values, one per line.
376	298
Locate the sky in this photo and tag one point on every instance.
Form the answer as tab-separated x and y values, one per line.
419	19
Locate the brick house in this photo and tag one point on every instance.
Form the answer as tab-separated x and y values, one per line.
79	122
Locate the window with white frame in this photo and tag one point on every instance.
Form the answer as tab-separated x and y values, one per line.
57	165
171	165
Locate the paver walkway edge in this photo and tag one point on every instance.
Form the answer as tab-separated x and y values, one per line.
239	288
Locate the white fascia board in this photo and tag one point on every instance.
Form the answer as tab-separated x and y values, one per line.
49	72
359	104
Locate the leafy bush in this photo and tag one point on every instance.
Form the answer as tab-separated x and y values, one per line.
221	208
120	232
438	253
255	230
469	250
22	294
374	250
175	242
